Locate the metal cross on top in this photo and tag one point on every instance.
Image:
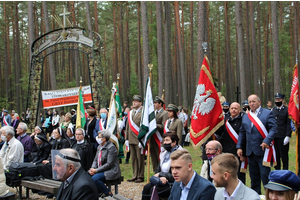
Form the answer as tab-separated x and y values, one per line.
64	14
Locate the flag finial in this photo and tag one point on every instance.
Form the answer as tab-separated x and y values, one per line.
204	46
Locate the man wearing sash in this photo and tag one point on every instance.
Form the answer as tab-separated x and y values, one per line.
161	116
257	134
229	135
132	132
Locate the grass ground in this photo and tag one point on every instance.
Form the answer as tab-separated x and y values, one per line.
197	163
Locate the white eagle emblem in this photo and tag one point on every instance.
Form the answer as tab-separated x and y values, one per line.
202	104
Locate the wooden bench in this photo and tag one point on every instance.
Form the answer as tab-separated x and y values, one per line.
46	185
115	182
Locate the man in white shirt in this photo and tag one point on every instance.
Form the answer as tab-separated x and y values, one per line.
12	150
224	173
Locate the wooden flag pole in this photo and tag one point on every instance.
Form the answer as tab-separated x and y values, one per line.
148	157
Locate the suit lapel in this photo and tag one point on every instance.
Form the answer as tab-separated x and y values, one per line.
193	188
241	192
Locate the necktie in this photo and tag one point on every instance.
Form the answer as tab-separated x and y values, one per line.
169	123
99	158
134	113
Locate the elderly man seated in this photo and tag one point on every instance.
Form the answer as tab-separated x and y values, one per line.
77	184
12	150
106	163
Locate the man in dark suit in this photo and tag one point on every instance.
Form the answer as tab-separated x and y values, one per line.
255	143
189	185
281	141
77	184
131	138
161	116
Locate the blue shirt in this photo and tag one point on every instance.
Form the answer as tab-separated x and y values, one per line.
186	189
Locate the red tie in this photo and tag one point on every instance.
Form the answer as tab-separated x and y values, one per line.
99	158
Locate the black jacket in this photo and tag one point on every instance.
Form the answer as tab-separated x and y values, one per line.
84	150
89	129
42	153
62	144
82	187
229	146
283	122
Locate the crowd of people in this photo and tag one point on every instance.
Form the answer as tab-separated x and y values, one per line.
88	154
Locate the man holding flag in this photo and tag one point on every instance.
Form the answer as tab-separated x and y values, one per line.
131	138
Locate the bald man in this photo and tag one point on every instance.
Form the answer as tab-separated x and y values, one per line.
229	132
254	141
212	149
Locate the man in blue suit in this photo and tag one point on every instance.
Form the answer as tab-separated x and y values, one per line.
250	137
189	185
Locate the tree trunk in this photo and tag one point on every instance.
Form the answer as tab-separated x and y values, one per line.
127	51
146	52
228	73
259	66
6	33
192	66
140	66
181	58
241	48
18	65
248	60
167	36
50	57
122	63
201	36
89	19
296	28
160	55
114	76
254	51
275	47
96	16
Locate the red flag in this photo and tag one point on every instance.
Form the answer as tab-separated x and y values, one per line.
294	102
207	114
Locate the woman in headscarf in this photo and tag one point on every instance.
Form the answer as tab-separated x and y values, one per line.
43	148
38	130
84	149
71	134
163	177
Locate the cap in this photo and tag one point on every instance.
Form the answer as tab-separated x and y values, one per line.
172	107
279	95
159	100
226	104
5	111
73	110
282	180
245	103
138	98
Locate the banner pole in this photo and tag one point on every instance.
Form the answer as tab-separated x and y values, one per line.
148	156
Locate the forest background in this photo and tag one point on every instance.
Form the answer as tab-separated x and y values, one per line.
252	45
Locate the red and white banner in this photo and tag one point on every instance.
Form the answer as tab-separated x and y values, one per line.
269	153
235	137
65	97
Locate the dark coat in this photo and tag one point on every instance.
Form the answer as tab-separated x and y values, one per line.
84	150
228	144
42	152
283	122
201	189
250	136
82	187
89	129
62	144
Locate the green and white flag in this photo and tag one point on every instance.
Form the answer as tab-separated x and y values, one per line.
148	122
118	102
80	117
112	118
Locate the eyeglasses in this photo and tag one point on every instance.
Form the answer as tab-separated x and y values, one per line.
210	149
78	134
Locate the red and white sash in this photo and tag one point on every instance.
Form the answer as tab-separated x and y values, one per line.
234	136
4	121
101	125
269	153
132	125
166	127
